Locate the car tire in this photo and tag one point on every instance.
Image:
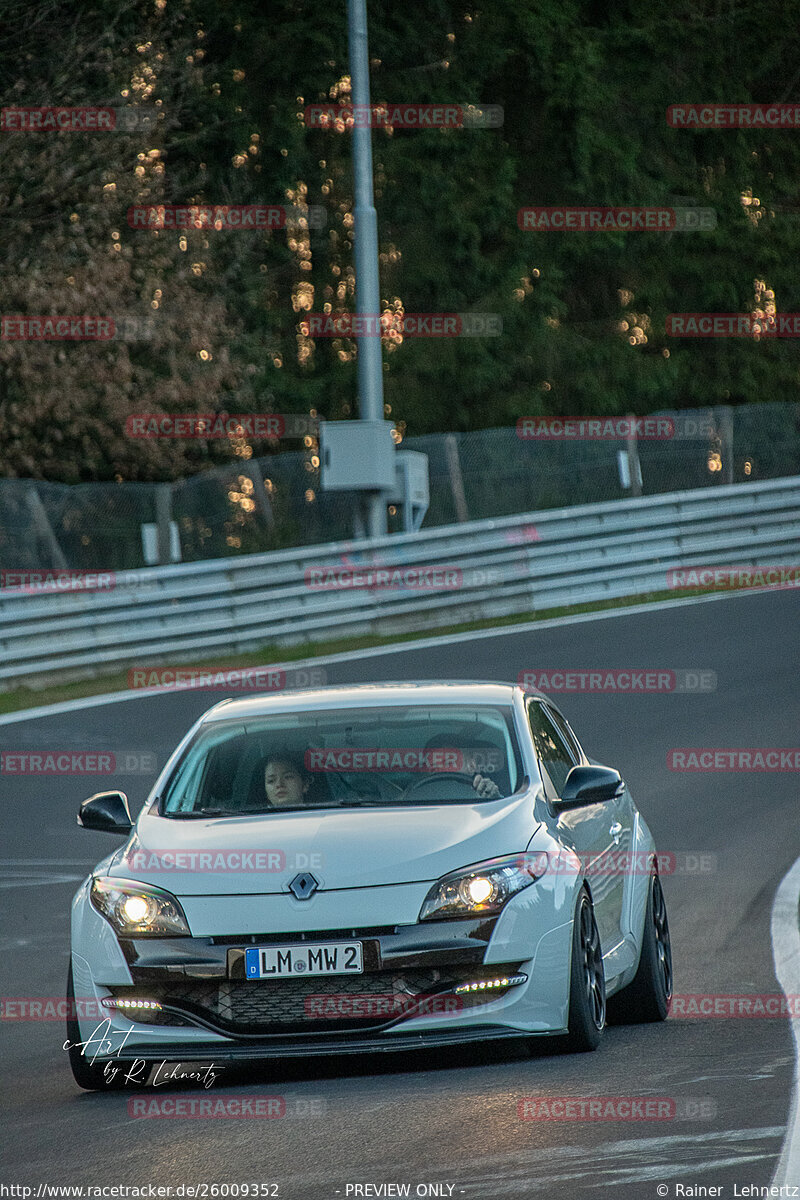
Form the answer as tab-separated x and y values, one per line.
87	1075
587	987
647	996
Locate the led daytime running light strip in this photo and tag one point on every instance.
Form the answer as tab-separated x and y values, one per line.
150	1005
484	985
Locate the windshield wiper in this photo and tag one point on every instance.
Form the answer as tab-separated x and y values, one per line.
197	812
366	803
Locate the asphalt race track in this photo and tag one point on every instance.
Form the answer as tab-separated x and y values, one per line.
451	1118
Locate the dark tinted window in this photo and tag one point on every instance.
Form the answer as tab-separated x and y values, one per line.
339	758
565	731
551	747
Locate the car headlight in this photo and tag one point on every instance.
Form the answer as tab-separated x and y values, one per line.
137	909
484	888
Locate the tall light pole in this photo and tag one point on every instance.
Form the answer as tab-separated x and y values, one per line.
369	359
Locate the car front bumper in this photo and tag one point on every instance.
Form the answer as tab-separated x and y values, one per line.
406	998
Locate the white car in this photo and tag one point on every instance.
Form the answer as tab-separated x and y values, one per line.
367	868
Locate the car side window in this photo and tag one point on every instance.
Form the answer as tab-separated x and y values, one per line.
552	749
565	731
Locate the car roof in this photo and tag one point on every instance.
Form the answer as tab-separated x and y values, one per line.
366	695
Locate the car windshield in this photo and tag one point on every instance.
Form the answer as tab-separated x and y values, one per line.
349	758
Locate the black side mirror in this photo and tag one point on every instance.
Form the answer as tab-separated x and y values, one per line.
590	785
106	811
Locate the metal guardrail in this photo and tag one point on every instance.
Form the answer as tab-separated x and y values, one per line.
506	566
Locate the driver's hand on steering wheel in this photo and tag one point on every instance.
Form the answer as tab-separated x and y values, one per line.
486	788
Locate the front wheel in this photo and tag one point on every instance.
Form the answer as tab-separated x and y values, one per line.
587	989
647	996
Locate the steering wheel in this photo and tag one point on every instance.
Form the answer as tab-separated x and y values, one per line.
419	784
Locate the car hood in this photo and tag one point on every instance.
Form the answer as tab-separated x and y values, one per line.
343	848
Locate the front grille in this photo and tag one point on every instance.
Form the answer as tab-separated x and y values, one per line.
312	1005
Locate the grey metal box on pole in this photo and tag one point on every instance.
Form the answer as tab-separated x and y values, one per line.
412	488
357	456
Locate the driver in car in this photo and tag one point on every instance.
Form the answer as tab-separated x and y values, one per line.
286	782
475	756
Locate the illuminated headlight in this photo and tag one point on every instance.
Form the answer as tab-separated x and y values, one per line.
478	889
137	909
484	888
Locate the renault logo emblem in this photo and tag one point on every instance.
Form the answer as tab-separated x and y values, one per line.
303	885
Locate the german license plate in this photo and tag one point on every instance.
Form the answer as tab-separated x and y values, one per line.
324	958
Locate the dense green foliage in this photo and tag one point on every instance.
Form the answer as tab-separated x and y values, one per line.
584	87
